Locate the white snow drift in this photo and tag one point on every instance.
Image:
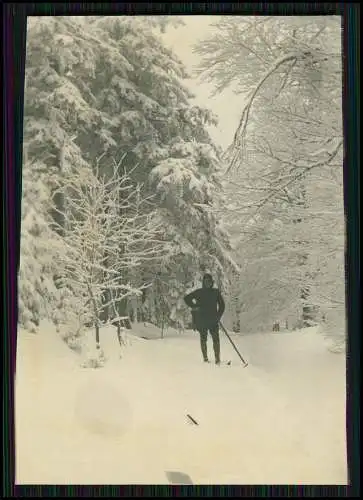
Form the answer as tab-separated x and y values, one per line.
281	420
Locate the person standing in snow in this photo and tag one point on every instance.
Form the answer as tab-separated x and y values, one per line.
207	307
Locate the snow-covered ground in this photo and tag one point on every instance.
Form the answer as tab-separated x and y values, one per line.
281	420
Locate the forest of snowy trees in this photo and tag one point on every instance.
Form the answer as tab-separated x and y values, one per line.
127	200
119	173
285	166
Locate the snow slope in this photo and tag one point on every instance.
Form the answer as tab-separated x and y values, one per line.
281	420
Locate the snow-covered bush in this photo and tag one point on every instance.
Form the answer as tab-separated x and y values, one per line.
104	234
93	358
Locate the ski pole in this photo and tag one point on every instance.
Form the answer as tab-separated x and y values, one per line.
234	346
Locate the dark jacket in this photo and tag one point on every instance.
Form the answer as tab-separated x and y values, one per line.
207	305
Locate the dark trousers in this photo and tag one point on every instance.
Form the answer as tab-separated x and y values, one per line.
214	331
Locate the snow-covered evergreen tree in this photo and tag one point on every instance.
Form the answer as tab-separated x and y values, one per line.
161	130
100	86
38	294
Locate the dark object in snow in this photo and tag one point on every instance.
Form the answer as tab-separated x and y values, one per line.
276	327
175	477
207	307
192	419
234	347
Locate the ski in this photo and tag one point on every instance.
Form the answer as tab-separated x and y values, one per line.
222	363
225	363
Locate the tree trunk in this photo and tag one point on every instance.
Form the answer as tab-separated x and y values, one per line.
95	319
236	304
122	311
59	215
308	312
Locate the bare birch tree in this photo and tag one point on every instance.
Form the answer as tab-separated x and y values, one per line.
106	234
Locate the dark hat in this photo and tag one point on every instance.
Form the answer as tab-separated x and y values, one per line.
207	277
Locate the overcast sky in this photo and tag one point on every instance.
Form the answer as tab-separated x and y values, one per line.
227	106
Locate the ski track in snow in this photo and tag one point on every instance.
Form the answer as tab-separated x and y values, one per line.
281	420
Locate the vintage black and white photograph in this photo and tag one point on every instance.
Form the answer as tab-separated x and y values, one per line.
182	315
